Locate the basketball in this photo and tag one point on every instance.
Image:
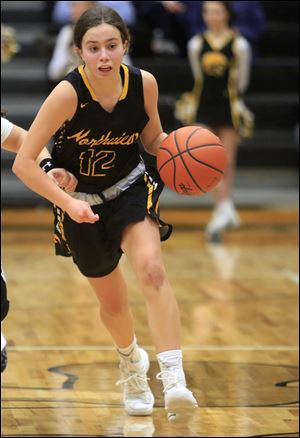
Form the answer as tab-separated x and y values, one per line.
191	161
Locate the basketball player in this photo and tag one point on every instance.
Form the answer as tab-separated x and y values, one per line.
220	60
12	136
99	113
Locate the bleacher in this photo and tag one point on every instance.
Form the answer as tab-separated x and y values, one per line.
267	164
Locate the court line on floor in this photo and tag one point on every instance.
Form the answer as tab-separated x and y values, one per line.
151	348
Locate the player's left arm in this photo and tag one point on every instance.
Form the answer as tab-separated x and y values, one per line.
152	135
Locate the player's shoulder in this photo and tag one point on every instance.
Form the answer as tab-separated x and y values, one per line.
150	88
147	76
64	90
240	42
149	81
195	43
63	98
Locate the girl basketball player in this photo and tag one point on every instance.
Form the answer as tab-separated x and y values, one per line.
12	136
220	60
99	112
11	140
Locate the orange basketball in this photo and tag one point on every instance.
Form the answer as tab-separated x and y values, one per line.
191	160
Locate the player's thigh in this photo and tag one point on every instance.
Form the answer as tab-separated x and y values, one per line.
141	244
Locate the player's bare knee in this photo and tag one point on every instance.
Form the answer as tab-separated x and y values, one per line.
152	275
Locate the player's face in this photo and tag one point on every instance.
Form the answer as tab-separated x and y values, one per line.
102	49
214	14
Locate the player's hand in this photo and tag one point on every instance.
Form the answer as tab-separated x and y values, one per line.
80	211
64	179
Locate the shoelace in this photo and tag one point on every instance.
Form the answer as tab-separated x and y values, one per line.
137	383
166	375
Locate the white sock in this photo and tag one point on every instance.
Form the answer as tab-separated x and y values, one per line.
170	357
130	352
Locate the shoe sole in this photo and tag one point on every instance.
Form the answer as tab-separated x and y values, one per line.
180	408
180	412
180	405
140	413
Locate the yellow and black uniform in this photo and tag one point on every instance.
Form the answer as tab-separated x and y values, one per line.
101	149
217	88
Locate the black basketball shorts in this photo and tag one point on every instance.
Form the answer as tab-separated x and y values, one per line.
95	248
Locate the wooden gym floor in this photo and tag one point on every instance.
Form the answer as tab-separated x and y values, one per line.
238	301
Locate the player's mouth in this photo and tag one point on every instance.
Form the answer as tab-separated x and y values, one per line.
105	69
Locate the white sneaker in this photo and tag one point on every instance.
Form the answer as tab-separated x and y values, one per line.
138	398
225	216
178	399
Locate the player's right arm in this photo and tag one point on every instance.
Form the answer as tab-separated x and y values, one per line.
59	107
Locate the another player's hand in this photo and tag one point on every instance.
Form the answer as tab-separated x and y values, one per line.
80	211
64	179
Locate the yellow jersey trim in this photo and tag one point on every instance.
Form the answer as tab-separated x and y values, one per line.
126	82
86	82
88	85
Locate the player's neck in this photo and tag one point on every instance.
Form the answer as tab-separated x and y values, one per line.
219	32
106	86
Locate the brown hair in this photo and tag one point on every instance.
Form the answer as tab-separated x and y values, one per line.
99	15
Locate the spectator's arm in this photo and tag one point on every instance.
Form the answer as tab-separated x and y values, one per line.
242	51
194	48
61	54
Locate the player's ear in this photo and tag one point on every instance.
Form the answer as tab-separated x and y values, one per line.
125	47
77	51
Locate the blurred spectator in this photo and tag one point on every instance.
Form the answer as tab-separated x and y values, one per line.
64	58
173	24
61	13
220	59
9	45
249	18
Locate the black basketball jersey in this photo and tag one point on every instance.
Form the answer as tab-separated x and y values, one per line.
97	146
217	88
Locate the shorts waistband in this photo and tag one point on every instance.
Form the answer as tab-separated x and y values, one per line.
113	191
